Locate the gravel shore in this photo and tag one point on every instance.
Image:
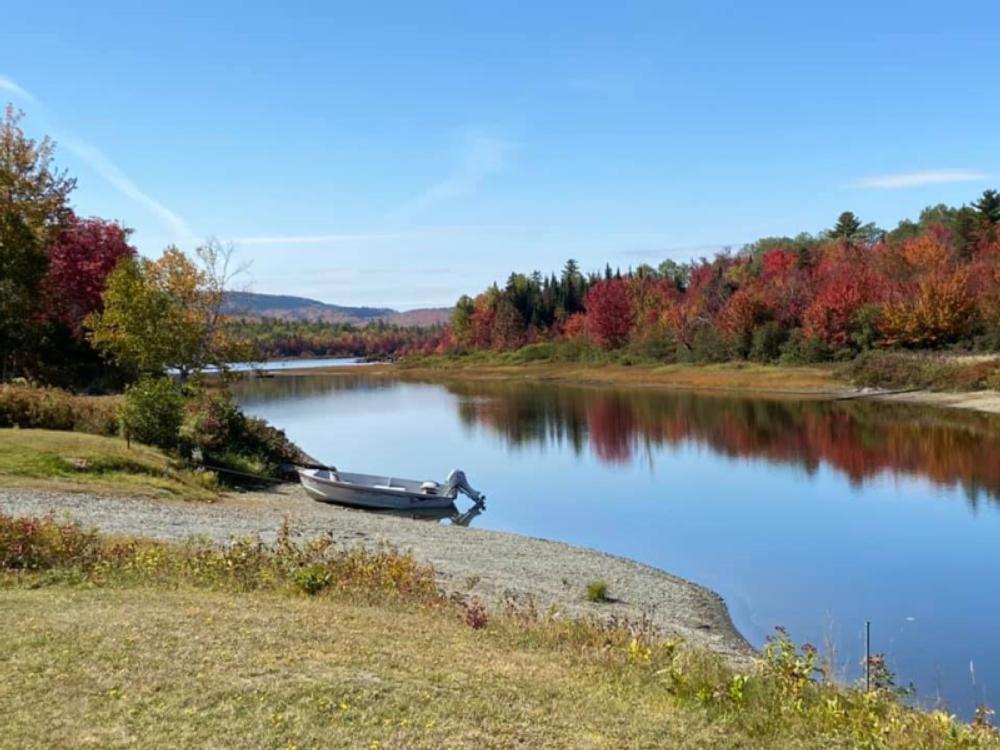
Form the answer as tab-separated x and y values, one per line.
491	565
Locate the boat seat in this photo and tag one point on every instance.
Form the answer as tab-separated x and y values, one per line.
429	488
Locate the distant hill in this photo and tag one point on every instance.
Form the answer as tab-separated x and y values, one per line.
251	305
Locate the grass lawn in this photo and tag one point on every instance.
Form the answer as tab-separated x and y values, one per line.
114	668
117	643
121	668
56	460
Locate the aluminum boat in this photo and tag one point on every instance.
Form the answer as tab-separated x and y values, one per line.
329	485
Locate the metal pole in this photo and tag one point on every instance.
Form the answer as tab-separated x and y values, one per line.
868	656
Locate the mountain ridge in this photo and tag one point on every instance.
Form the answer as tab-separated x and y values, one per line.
291	307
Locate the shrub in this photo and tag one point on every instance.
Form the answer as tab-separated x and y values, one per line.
767	341
215	425
800	349
597	591
706	346
152	412
654	342
865	331
41	543
53	409
474	614
311	579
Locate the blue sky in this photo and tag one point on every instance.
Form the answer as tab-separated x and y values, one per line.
402	154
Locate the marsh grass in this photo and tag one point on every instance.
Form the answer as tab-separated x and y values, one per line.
609	370
131	643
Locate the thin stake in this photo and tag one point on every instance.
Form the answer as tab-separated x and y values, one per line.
868	656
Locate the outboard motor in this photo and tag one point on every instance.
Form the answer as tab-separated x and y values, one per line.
457	481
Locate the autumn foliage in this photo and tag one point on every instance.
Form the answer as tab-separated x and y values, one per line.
80	260
924	285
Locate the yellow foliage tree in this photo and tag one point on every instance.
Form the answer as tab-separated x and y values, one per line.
939	311
168	314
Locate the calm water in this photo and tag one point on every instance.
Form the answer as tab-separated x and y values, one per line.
294	364
815	516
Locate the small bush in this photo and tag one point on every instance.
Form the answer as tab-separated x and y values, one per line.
41	543
152	412
311	579
706	347
597	591
52	409
655	342
800	349
215	425
767	341
865	332
474	614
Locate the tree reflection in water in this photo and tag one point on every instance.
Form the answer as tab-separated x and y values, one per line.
860	439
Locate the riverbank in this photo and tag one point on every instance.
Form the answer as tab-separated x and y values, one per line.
816	381
494	566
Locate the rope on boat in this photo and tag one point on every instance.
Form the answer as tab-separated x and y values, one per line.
255	477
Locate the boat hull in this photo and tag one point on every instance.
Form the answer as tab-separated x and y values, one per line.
359	495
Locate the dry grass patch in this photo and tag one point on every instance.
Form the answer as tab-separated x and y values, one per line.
151	668
817	379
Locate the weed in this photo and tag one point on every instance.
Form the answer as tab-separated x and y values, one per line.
311	579
474	614
597	591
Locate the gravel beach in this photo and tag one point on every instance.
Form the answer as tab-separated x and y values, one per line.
491	565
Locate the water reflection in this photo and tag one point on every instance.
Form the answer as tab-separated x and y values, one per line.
859	439
450	514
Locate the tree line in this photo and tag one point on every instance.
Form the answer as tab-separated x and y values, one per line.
274	338
929	283
80	308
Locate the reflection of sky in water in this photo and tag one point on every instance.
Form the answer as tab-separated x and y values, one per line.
791	541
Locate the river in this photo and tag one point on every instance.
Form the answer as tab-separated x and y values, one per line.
812	515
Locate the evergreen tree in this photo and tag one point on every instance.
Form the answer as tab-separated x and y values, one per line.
989	206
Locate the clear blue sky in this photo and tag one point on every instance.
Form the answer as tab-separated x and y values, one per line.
403	154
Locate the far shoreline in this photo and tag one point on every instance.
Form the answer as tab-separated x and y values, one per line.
818	382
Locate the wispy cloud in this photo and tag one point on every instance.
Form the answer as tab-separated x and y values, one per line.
94	158
479	157
918	179
6	84
319	239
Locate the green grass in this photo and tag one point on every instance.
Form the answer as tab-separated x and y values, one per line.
76	461
138	644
